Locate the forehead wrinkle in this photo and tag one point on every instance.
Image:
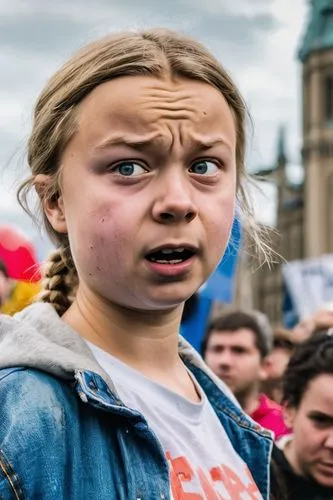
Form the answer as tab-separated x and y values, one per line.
171	100
186	136
174	115
170	94
181	113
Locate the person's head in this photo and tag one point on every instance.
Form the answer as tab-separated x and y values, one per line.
308	400
235	347
321	319
137	154
5	283
276	363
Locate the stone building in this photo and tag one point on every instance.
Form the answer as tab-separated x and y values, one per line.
305	211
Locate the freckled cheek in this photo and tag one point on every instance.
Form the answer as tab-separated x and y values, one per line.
100	241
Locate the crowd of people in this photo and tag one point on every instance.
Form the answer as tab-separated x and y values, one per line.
137	157
284	381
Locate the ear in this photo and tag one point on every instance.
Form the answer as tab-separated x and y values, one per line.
289	415
264	369
263	374
53	204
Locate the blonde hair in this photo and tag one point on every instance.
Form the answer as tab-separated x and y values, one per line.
151	52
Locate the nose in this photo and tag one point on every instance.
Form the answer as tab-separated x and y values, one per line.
329	440
225	359
174	201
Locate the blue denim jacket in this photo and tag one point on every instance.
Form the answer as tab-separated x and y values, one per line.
64	434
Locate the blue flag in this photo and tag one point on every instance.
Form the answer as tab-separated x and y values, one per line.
219	287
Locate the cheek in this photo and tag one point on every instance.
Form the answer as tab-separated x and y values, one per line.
211	359
307	438
219	217
249	367
100	236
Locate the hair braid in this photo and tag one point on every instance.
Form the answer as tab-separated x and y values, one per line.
60	280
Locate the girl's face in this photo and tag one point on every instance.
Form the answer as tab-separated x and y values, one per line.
148	189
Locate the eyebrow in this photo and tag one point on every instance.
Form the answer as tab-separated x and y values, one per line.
320	414
233	346
145	142
125	141
210	143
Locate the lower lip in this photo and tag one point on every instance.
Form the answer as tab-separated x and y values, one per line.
327	468
171	270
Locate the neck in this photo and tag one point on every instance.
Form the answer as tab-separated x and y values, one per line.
249	400
145	340
290	455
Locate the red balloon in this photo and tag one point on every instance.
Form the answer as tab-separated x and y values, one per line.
18	254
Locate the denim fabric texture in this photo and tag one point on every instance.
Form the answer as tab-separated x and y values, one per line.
64	433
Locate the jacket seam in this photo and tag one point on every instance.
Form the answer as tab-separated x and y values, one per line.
11	371
7	469
232	413
245	424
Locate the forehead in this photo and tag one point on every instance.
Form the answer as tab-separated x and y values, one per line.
143	102
242	337
319	395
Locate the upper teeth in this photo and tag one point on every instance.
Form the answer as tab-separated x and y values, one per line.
171	250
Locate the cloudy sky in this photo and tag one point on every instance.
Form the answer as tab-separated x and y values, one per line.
256	40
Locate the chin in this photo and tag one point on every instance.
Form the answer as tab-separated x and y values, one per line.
168	303
172	294
323	479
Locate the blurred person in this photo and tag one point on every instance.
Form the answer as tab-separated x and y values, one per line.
15	295
136	154
235	347
305	462
5	284
276	362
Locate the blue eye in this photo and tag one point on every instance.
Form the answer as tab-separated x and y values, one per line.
204	167
129	169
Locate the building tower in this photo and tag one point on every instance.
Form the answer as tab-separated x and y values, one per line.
316	56
268	290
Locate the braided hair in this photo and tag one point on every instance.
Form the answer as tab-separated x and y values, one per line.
60	280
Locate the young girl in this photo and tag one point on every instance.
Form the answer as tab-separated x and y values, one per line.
137	155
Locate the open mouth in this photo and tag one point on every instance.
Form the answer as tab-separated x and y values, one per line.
170	255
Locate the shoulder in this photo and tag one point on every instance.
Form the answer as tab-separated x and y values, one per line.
32	385
278	469
269	405
35	418
32	400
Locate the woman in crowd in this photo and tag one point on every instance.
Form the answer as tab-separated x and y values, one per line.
305	463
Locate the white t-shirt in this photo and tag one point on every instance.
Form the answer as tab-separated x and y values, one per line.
203	463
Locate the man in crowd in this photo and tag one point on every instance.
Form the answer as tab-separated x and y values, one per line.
305	464
235	348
